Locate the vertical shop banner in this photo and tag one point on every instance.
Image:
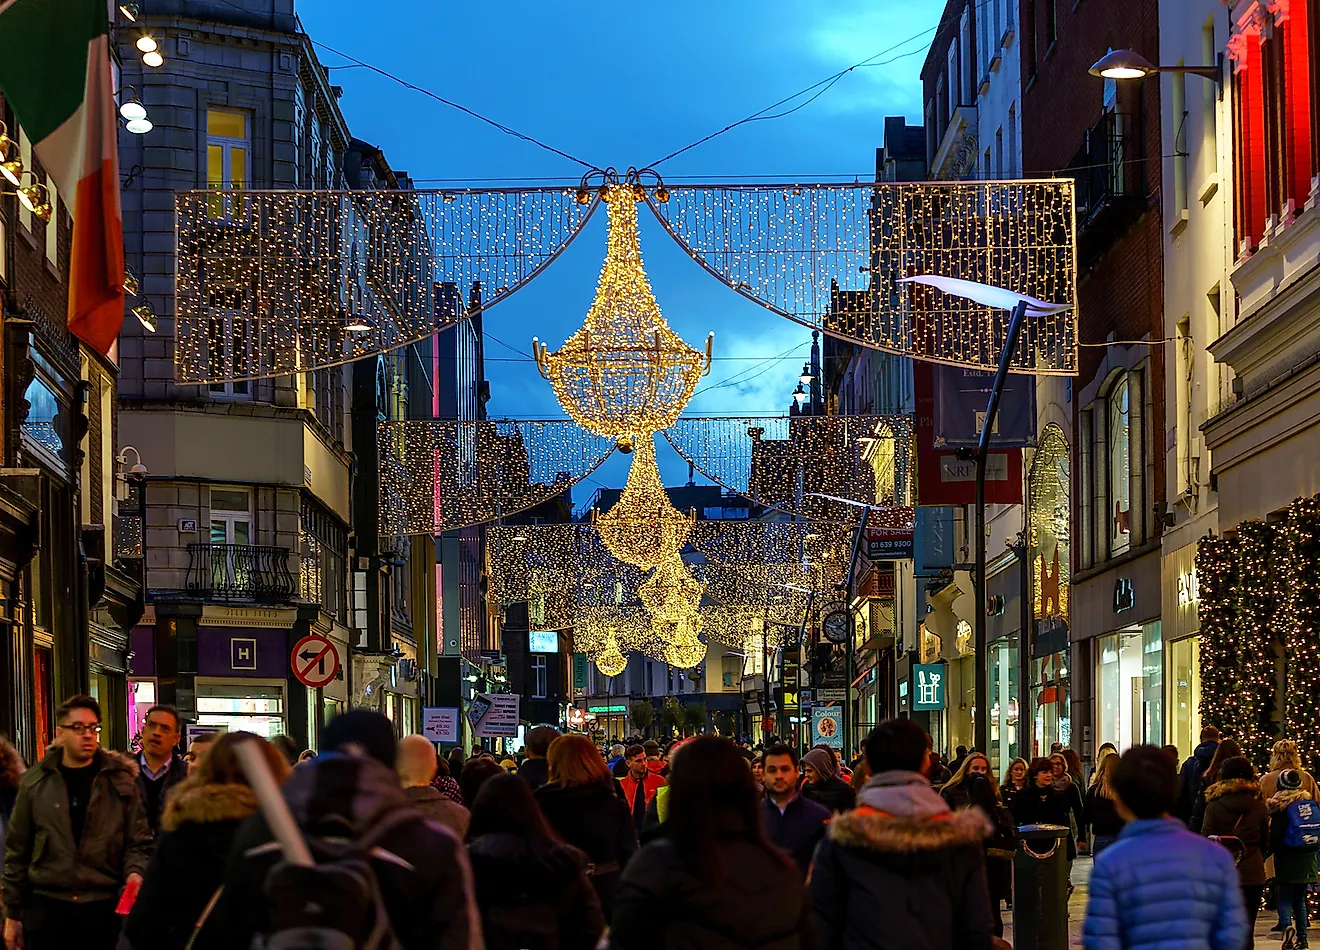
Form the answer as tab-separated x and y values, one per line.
579	671
961	398
827	726
945	479
928	686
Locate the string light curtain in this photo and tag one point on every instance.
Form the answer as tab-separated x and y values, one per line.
443	475
1301	579
780	462
1258	558
624	371
830	257
1217	576
269	283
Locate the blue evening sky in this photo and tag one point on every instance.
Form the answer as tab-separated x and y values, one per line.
624	85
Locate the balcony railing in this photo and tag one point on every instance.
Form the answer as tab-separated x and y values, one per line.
240	572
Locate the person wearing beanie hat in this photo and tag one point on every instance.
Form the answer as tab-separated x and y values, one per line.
823	784
352	788
1294	868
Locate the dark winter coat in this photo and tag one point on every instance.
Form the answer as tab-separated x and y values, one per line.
596	821
1100	815
661	904
1233	807
834	793
197	831
902	871
955	796
1189	779
41	856
534	894
175	773
797	829
535	772
1050	806
1290	866
433	804
1008	794
421	866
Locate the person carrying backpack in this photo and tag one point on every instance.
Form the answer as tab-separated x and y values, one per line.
385	877
1294	839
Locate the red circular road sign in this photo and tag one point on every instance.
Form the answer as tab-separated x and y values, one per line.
314	660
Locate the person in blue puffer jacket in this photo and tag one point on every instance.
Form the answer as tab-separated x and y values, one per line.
1159	886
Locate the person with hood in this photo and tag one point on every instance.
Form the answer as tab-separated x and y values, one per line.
1294	868
1189	778
351	790
823	785
532	888
1160	886
581	805
712	879
954	791
1228	749
902	869
417	766
535	771
1285	755
1236	815
1101	820
197	829
640	784
77	836
792	822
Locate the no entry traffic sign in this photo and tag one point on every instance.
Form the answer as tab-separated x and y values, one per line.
314	660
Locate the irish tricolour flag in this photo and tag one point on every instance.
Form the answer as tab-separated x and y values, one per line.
55	73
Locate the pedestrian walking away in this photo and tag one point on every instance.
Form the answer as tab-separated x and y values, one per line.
160	767
535	771
1159	885
1101	820
1189	777
1294	833
583	809
1227	749
712	880
1238	819
902	870
348	804
197	830
532	888
77	836
417	766
792	821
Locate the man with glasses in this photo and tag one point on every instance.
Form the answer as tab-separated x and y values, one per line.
77	836
160	768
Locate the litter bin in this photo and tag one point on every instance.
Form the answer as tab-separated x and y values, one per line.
1040	888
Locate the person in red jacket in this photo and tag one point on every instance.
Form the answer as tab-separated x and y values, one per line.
640	784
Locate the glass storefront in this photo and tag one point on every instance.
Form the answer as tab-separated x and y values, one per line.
1004	743
1130	681
1051	697
1185	694
241	706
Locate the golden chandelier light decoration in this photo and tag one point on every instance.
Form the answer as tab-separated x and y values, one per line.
624	371
644	528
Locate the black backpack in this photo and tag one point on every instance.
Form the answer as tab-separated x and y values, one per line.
335	904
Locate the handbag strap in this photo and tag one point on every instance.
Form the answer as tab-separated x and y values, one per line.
201	921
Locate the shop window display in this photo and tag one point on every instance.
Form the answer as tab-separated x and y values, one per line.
1129	672
1185	694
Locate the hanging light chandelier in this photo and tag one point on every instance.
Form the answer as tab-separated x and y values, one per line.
644	528
624	371
610	660
672	594
685	655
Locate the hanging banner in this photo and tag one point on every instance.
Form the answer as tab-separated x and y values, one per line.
928	691
945	479
961	399
827	726
500	717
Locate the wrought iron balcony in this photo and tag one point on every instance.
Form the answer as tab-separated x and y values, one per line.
253	573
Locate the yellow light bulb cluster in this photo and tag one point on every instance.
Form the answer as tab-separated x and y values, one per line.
644	528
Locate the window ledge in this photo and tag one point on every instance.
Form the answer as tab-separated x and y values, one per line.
1208	192
1180	219
995	63
1006	40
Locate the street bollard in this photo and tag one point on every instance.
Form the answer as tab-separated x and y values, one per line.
1040	888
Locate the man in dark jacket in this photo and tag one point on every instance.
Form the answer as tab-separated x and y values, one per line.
791	821
421	866
901	870
160	767
535	770
1190	778
78	834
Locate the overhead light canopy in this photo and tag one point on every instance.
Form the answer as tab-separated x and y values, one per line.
132	107
139	126
130	11
147	44
12	171
153	59
1123	64
35	198
146	316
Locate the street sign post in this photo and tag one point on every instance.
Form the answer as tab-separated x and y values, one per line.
314	661
440	723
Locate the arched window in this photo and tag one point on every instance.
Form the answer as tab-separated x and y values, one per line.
1120	469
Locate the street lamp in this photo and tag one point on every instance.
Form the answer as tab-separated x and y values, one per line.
137	471
1125	64
1022	306
806	378
799	395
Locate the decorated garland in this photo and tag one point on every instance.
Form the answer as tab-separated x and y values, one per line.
1219	673
1301	579
1258	554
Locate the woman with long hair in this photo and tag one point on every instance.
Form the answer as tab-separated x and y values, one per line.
201	817
983	793
582	806
1014	782
1238	817
1286	755
1047	801
531	887
1102	823
954	791
713	879
1228	749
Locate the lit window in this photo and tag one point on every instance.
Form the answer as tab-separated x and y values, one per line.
227	152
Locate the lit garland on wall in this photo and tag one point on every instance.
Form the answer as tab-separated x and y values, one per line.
624	371
270	283
1302	632
1256	640
830	257
1049	525
1215	571
444	475
644	528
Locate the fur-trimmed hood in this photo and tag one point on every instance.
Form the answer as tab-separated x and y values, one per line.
1230	786
900	819
204	804
1285	797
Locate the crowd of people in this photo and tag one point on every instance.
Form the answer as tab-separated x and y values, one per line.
381	842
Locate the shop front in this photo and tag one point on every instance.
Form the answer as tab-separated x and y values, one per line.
1129	676
1003	623
948	636
1181	592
